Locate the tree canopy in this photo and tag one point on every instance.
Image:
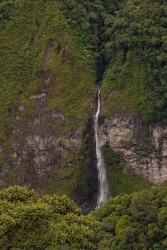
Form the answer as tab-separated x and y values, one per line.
136	51
28	221
136	221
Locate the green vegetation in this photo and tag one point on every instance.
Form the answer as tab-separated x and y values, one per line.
127	38
28	221
126	183
60	48
61	181
37	43
135	80
136	221
122	182
43	53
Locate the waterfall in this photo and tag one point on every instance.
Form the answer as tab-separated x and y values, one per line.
103	183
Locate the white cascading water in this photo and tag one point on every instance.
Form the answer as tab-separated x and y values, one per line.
104	193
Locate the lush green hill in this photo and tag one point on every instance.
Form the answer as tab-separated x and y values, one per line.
136	221
59	49
136	51
35	39
28	221
47	49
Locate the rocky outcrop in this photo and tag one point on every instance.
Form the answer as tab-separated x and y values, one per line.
143	147
49	144
38	144
42	156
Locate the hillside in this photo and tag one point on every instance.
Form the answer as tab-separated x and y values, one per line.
136	51
136	221
83	122
134	89
47	97
53	53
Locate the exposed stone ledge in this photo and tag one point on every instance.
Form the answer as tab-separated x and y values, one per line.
144	147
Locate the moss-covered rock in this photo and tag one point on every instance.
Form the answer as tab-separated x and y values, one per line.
47	97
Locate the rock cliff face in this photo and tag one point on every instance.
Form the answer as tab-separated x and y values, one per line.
41	157
36	142
47	98
49	144
143	147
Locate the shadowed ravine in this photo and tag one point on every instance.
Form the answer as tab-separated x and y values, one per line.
104	193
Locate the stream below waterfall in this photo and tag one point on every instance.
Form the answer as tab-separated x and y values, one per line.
104	192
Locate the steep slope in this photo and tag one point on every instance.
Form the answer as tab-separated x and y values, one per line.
52	54
135	85
47	100
136	221
135	79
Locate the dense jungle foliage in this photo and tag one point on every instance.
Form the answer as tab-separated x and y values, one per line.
136	51
28	221
125	39
38	40
137	221
123	43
